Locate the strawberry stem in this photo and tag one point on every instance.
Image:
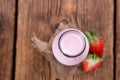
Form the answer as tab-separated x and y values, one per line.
90	38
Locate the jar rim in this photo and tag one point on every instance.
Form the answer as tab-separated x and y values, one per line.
82	38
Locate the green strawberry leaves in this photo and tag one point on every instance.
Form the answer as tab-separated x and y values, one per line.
93	56
92	36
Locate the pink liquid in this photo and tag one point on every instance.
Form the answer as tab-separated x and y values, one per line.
72	43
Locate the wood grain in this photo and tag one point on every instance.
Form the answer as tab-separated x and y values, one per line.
39	16
117	47
7	15
99	16
34	16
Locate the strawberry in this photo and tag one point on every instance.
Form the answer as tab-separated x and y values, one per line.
96	43
91	62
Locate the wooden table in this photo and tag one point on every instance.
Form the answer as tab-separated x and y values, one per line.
20	18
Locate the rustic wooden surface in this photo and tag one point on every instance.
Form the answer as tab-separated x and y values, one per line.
117	48
7	10
37	15
99	15
30	65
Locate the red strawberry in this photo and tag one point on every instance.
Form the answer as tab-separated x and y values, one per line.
91	62
96	43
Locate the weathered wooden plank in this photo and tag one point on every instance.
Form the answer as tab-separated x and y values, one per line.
7	15
117	40
36	16
33	17
99	16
